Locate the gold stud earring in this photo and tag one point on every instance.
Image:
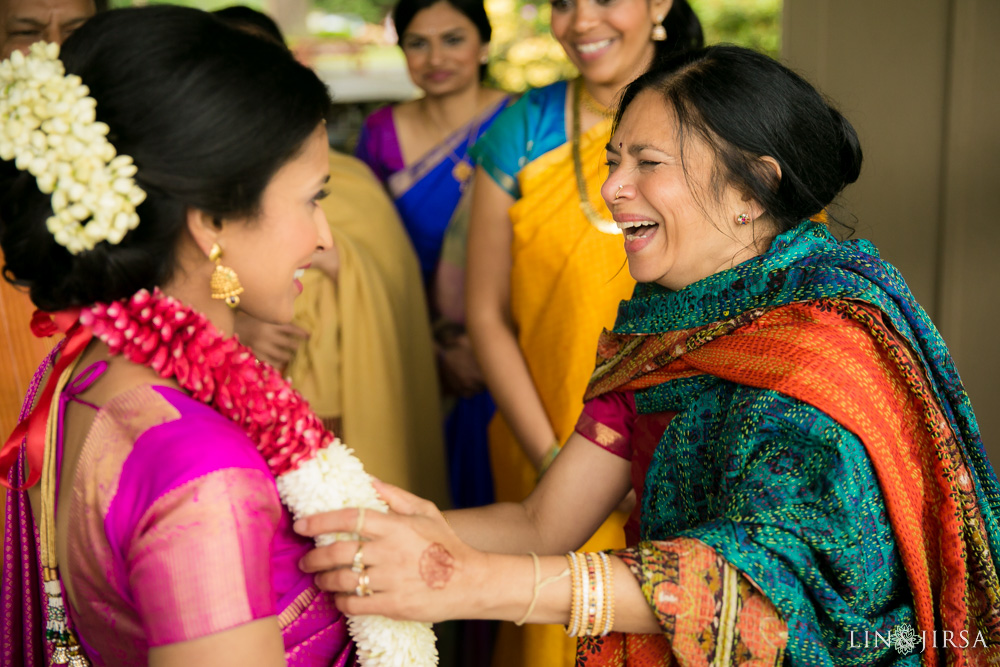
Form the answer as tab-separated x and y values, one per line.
225	283
659	33
743	219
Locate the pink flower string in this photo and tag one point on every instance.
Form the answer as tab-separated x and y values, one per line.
179	343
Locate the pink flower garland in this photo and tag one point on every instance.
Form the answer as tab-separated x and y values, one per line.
313	471
162	333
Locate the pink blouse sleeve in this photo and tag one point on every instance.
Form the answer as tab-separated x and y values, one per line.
199	561
608	422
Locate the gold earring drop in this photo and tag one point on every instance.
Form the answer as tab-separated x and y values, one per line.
659	33
225	283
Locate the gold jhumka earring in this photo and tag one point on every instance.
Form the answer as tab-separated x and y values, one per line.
225	283
659	33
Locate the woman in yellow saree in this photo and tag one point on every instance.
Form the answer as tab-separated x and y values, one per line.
546	265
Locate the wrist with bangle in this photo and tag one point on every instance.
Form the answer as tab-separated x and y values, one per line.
592	593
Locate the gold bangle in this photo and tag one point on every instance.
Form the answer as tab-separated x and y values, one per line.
539	585
594	600
609	594
576	600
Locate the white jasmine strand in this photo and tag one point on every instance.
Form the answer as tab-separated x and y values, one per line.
48	127
332	480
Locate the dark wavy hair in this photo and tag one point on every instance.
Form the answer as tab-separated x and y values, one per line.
745	106
474	10
207	112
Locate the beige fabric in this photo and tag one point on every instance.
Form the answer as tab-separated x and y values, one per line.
369	358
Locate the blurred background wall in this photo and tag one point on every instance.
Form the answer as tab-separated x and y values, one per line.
920	82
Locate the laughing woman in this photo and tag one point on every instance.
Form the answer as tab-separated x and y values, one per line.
808	464
178	182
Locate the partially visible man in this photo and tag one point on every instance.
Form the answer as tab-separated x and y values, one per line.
24	22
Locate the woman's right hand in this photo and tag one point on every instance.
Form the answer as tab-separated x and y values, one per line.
417	568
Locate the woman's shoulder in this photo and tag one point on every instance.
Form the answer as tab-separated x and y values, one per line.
538	103
380	119
171	435
378	143
531	126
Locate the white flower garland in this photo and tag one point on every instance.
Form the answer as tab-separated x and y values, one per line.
48	127
332	480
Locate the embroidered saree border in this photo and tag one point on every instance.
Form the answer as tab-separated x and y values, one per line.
711	614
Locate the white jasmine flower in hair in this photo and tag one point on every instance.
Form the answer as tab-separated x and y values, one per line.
48	127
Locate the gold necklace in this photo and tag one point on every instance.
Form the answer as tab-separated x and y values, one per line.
599	222
63	642
589	101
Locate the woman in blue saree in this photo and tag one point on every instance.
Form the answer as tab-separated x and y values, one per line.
419	150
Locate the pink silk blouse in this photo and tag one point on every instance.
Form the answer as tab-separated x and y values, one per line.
176	532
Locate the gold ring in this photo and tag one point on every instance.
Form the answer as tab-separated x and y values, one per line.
359	524
619	192
363	589
357	566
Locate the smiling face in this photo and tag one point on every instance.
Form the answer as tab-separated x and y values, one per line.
443	50
607	40
24	22
267	250
679	227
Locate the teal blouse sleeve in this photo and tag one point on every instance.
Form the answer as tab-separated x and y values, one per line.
525	130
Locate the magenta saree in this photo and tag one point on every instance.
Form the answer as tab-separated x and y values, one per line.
175	532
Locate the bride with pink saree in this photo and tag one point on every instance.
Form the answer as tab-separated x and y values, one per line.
172	176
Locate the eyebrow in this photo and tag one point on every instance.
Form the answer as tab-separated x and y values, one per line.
30	22
457	30
27	21
634	149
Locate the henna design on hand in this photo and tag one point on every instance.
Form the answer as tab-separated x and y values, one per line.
436	566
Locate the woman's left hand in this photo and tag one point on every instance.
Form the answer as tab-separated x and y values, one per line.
416	567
